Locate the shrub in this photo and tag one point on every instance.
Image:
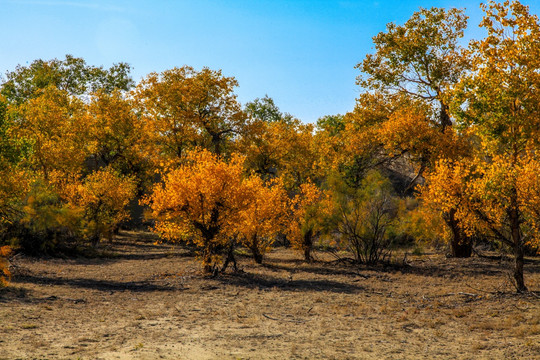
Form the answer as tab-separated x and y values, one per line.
364	218
5	275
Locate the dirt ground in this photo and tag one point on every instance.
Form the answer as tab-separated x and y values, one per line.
151	302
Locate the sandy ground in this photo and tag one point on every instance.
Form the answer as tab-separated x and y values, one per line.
152	302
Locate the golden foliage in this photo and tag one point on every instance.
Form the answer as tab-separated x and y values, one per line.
307	211
211	203
57	126
185	108
281	149
264	215
101	199
13	189
119	137
199	202
5	274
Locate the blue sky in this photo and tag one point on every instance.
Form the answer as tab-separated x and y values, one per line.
302	53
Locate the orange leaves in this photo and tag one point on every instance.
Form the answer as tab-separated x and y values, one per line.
56	125
308	209
409	130
529	196
283	149
102	199
186	108
5	274
13	188
210	202
118	136
199	202
483	192
264	214
197	196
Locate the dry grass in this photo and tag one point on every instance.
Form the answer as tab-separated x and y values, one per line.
151	302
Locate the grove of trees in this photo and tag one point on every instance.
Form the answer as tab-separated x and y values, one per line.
442	146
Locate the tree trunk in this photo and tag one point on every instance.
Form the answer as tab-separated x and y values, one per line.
444	117
307	245
230	258
94	240
518	269
257	255
460	244
255	250
517	243
208	257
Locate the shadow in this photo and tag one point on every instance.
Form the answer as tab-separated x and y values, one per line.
252	281
12	293
118	255
446	268
100	285
129	243
457	268
316	267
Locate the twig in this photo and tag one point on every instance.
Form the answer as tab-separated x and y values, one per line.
424	297
520	309
468	294
484	291
276	319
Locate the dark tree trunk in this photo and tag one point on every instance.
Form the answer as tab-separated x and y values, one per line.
517	243
444	117
257	255
255	250
307	245
230	259
94	240
460	244
518	269
210	249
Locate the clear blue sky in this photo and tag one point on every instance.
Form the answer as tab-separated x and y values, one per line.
302	53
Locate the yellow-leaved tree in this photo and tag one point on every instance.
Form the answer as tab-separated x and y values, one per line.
199	203
415	67
283	148
56	125
185	108
212	203
307	213
499	102
119	137
265	215
101	200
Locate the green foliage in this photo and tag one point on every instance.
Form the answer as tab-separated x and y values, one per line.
365	217
72	75
331	124
12	148
47	224
266	110
421	58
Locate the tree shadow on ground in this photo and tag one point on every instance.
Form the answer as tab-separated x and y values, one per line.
452	268
441	268
12	293
317	267
265	282
119	255
94	284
